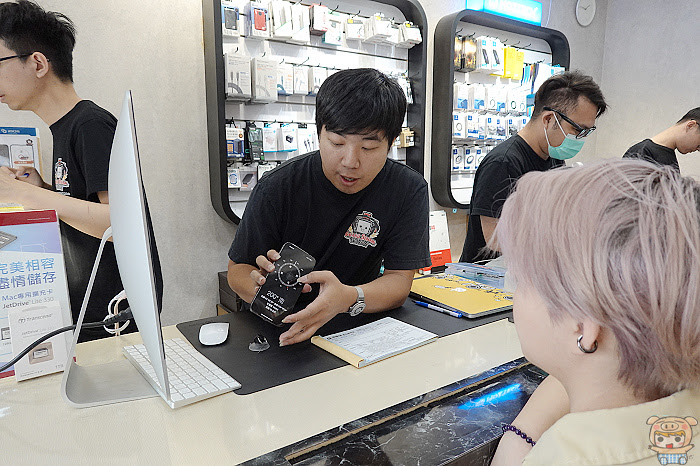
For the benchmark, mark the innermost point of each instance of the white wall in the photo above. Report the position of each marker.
(650, 73)
(155, 49)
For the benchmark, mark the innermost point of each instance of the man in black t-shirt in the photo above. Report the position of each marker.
(347, 205)
(566, 107)
(36, 74)
(684, 136)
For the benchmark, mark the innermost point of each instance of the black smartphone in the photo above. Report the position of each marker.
(275, 299)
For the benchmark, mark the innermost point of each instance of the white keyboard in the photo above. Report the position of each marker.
(191, 376)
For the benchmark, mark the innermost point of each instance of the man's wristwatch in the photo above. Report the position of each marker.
(359, 305)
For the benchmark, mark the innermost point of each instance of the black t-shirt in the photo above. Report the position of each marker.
(82, 141)
(653, 152)
(348, 234)
(494, 181)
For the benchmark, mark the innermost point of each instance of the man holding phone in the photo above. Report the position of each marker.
(347, 205)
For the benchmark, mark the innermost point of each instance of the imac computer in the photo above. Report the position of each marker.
(144, 373)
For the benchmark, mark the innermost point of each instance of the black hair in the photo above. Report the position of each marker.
(361, 101)
(26, 28)
(694, 114)
(562, 91)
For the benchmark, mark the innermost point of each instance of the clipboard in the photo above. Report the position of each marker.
(469, 298)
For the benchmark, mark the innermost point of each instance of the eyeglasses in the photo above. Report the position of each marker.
(582, 132)
(15, 56)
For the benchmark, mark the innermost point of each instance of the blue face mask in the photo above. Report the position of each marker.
(568, 148)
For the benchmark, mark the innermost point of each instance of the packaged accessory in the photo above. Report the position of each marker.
(238, 77)
(301, 80)
(285, 79)
(256, 15)
(320, 21)
(230, 19)
(354, 29)
(300, 25)
(264, 79)
(281, 19)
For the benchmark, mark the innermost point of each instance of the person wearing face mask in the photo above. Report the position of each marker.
(565, 112)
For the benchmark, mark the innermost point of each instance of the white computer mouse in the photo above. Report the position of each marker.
(214, 333)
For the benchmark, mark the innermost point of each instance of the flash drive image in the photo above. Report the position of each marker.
(42, 353)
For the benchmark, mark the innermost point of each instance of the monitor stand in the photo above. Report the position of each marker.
(113, 382)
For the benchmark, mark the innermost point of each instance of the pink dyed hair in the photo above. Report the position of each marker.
(618, 242)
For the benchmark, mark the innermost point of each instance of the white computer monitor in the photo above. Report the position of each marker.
(139, 269)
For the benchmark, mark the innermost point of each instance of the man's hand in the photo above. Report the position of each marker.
(8, 185)
(267, 265)
(30, 175)
(333, 298)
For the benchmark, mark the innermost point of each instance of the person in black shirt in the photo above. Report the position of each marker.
(566, 107)
(36, 74)
(347, 205)
(684, 136)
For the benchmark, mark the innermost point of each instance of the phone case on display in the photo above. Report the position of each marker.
(276, 298)
(260, 19)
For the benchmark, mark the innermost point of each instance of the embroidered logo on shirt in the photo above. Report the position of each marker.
(60, 173)
(670, 438)
(363, 231)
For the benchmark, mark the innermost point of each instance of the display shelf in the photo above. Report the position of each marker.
(540, 44)
(229, 203)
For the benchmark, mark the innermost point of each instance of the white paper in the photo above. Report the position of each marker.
(381, 339)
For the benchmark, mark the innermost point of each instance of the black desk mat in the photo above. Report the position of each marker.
(279, 365)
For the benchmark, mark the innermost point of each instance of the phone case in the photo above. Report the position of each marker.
(276, 298)
(260, 20)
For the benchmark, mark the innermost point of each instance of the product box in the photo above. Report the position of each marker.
(501, 98)
(249, 177)
(377, 28)
(457, 157)
(319, 19)
(483, 54)
(512, 126)
(230, 19)
(19, 147)
(264, 168)
(472, 122)
(235, 147)
(301, 80)
(269, 133)
(500, 128)
(409, 35)
(477, 97)
(264, 80)
(285, 79)
(354, 29)
(461, 93)
(306, 139)
(256, 19)
(497, 57)
(316, 77)
(233, 177)
(459, 125)
(469, 153)
(300, 25)
(439, 239)
(33, 285)
(478, 156)
(468, 54)
(334, 34)
(281, 19)
(238, 77)
(287, 138)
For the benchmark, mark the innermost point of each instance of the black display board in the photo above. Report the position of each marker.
(279, 365)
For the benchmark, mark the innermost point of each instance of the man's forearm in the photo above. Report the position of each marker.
(388, 291)
(239, 280)
(91, 218)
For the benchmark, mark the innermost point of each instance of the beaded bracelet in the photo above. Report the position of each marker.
(518, 432)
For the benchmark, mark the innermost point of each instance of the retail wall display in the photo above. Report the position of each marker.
(276, 55)
(495, 66)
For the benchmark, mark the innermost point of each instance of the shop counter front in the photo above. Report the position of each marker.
(38, 427)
